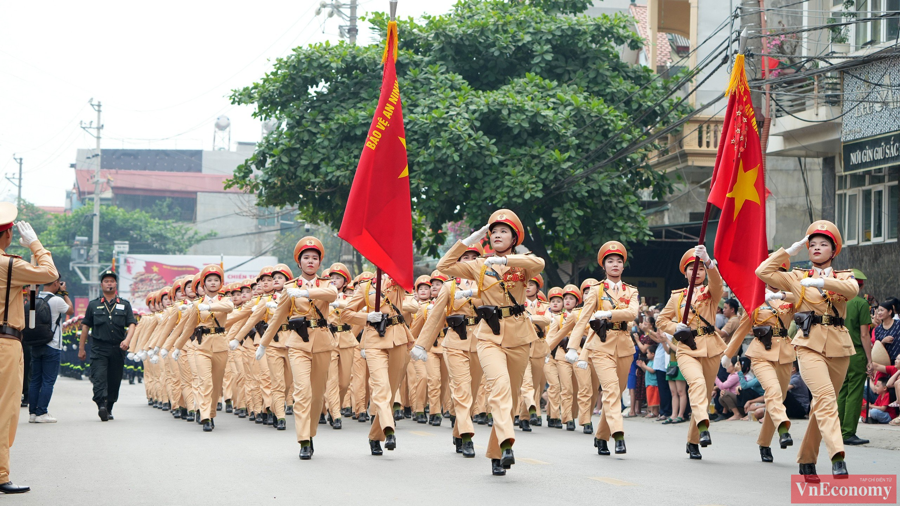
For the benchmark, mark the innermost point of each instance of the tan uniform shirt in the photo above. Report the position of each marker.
(321, 294)
(363, 301)
(216, 316)
(345, 339)
(623, 303)
(539, 312)
(519, 269)
(446, 305)
(705, 301)
(778, 314)
(840, 286)
(24, 273)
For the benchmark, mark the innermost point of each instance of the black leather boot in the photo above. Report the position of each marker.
(218, 406)
(496, 468)
(602, 447)
(207, 425)
(436, 420)
(322, 420)
(280, 424)
(390, 442)
(705, 439)
(363, 417)
(785, 440)
(765, 453)
(570, 425)
(468, 449)
(336, 424)
(507, 458)
(289, 409)
(694, 451)
(305, 453)
(457, 443)
(525, 425)
(839, 470)
(620, 446)
(588, 428)
(535, 420)
(375, 447)
(229, 407)
(809, 473)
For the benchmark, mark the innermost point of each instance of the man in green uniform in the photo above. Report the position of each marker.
(850, 399)
(111, 323)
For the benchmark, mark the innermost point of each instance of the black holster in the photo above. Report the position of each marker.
(491, 315)
(381, 326)
(764, 334)
(261, 327)
(457, 322)
(805, 321)
(198, 335)
(300, 326)
(686, 337)
(600, 326)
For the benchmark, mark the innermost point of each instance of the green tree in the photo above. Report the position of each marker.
(502, 101)
(144, 233)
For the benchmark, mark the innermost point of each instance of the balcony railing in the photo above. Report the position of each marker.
(794, 97)
(695, 145)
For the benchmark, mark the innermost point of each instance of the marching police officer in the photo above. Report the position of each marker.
(15, 273)
(111, 322)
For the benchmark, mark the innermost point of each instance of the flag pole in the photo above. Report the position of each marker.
(702, 238)
(378, 273)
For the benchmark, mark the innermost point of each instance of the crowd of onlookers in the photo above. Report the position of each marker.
(658, 390)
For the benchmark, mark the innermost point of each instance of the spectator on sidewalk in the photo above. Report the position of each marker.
(850, 397)
(45, 358)
(728, 391)
(880, 411)
(796, 403)
(733, 320)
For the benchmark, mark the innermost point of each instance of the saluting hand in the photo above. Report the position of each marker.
(797, 246)
(476, 236)
(26, 234)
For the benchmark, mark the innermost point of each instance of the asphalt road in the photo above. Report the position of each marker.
(146, 457)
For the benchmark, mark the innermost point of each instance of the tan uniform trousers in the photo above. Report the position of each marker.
(228, 380)
(481, 400)
(187, 390)
(191, 354)
(359, 383)
(774, 378)
(417, 378)
(150, 380)
(613, 375)
(526, 394)
(254, 393)
(385, 372)
(551, 373)
(437, 379)
(211, 370)
(567, 385)
(824, 377)
(339, 371)
(173, 383)
(278, 363)
(265, 381)
(532, 387)
(12, 370)
(465, 379)
(240, 388)
(504, 369)
(700, 375)
(310, 377)
(588, 390)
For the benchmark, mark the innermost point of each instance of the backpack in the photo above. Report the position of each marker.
(44, 329)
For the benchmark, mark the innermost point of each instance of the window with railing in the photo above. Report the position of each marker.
(876, 31)
(866, 206)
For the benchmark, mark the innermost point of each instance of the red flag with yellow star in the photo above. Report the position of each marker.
(738, 189)
(378, 217)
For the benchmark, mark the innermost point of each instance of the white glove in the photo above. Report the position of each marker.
(418, 353)
(203, 307)
(702, 254)
(163, 353)
(183, 307)
(141, 355)
(362, 353)
(154, 359)
(725, 360)
(175, 354)
(374, 317)
(271, 304)
(463, 294)
(797, 246)
(429, 307)
(335, 304)
(581, 364)
(602, 315)
(155, 351)
(813, 282)
(233, 344)
(681, 326)
(571, 356)
(130, 356)
(26, 234)
(774, 295)
(476, 236)
(495, 260)
(547, 359)
(260, 352)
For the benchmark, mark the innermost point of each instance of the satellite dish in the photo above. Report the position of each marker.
(222, 123)
(270, 125)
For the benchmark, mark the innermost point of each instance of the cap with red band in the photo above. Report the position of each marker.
(8, 214)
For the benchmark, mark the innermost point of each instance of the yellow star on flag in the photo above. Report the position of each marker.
(744, 188)
(405, 172)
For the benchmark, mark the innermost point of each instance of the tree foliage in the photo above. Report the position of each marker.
(502, 100)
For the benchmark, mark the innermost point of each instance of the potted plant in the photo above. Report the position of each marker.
(840, 42)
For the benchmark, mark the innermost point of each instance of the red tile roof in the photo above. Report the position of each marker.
(156, 183)
(663, 48)
(53, 209)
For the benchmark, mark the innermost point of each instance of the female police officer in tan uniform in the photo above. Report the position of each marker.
(823, 344)
(700, 363)
(614, 305)
(505, 332)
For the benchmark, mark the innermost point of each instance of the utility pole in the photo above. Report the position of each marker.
(95, 237)
(348, 31)
(19, 186)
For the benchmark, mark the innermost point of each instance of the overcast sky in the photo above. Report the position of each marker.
(162, 70)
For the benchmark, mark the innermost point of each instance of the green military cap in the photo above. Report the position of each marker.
(107, 273)
(858, 274)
